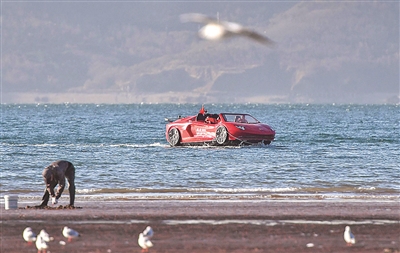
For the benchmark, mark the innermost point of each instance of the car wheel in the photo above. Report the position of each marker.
(221, 135)
(174, 137)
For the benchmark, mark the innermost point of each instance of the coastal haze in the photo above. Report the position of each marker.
(132, 52)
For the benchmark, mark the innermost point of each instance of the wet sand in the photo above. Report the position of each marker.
(210, 226)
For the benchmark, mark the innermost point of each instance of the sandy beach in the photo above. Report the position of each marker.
(210, 226)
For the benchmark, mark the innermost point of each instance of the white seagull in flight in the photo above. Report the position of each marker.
(217, 30)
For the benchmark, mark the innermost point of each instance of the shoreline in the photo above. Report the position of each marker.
(211, 226)
(194, 196)
(211, 207)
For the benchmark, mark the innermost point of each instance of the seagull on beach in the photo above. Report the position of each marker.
(29, 235)
(70, 233)
(144, 242)
(349, 237)
(45, 236)
(215, 29)
(41, 241)
(41, 244)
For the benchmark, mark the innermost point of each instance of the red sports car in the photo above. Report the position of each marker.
(222, 129)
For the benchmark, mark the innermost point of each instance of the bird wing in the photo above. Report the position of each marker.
(148, 232)
(148, 242)
(257, 37)
(144, 242)
(31, 236)
(232, 27)
(69, 232)
(197, 17)
(73, 233)
(352, 238)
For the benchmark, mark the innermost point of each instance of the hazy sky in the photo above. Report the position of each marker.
(113, 52)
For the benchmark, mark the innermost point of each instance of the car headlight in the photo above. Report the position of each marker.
(240, 127)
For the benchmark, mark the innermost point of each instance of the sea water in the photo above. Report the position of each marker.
(120, 152)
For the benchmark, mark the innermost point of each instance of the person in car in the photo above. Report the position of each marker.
(239, 119)
(202, 114)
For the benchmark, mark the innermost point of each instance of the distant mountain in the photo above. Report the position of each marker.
(327, 52)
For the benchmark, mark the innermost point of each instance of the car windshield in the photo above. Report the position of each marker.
(240, 118)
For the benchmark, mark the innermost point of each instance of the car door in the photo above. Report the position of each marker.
(203, 131)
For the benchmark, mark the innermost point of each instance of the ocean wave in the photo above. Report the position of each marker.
(188, 190)
(221, 197)
(298, 190)
(236, 194)
(332, 192)
(241, 197)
